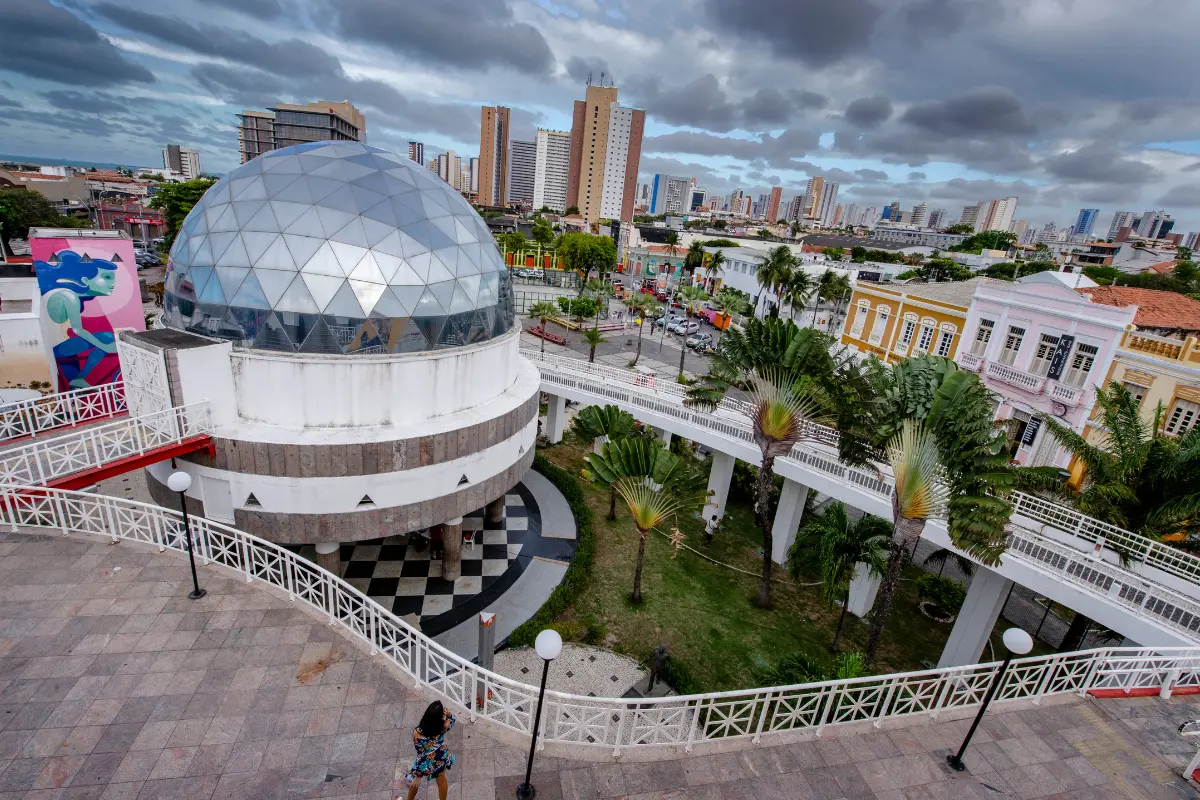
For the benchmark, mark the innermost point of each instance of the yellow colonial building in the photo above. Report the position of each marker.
(1160, 361)
(894, 321)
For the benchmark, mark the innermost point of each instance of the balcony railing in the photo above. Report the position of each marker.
(970, 361)
(1015, 377)
(1162, 346)
(1067, 395)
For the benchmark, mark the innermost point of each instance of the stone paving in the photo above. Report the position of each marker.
(114, 685)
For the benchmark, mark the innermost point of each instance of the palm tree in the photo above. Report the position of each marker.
(838, 290)
(604, 424)
(691, 297)
(837, 544)
(694, 259)
(729, 302)
(942, 556)
(643, 305)
(716, 265)
(593, 337)
(655, 484)
(1135, 476)
(672, 242)
(774, 270)
(596, 289)
(934, 424)
(792, 377)
(541, 311)
(796, 291)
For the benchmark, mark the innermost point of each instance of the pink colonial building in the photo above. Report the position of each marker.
(1042, 347)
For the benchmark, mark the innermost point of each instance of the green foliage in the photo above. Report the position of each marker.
(985, 240)
(580, 307)
(1104, 276)
(176, 200)
(834, 544)
(543, 309)
(800, 667)
(593, 422)
(860, 254)
(1011, 270)
(763, 233)
(718, 243)
(694, 259)
(572, 210)
(720, 224)
(1184, 282)
(583, 253)
(594, 338)
(833, 253)
(511, 242)
(22, 209)
(679, 677)
(945, 593)
(576, 575)
(959, 227)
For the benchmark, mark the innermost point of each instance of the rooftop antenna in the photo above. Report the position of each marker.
(589, 80)
(601, 79)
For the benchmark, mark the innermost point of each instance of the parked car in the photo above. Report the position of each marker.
(688, 328)
(697, 339)
(668, 320)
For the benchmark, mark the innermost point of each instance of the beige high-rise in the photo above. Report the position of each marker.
(606, 148)
(493, 156)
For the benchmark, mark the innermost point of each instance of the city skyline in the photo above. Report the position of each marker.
(1016, 121)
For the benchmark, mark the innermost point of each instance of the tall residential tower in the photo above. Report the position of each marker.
(493, 156)
(606, 148)
(286, 125)
(553, 160)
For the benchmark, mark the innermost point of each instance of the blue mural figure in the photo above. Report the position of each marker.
(84, 357)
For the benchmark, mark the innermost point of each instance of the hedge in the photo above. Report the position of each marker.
(572, 583)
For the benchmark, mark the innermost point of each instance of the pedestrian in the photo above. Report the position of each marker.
(434, 759)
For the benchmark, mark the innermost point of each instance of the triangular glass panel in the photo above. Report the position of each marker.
(264, 220)
(460, 302)
(420, 265)
(287, 213)
(352, 233)
(220, 241)
(470, 286)
(405, 275)
(366, 501)
(256, 243)
(342, 200)
(367, 270)
(356, 171)
(444, 292)
(465, 234)
(288, 166)
(323, 262)
(319, 188)
(428, 305)
(388, 265)
(446, 226)
(408, 338)
(433, 208)
(367, 294)
(193, 246)
(211, 293)
(273, 336)
(369, 337)
(406, 213)
(273, 283)
(297, 298)
(449, 257)
(382, 212)
(255, 191)
(409, 297)
(302, 247)
(375, 231)
(438, 272)
(217, 194)
(465, 265)
(243, 212)
(432, 328)
(277, 256)
(333, 220)
(252, 501)
(231, 278)
(323, 288)
(321, 340)
(250, 295)
(307, 224)
(234, 255)
(365, 198)
(278, 182)
(295, 192)
(331, 169)
(438, 239)
(348, 255)
(344, 304)
(388, 305)
(411, 246)
(390, 244)
(225, 222)
(200, 276)
(374, 180)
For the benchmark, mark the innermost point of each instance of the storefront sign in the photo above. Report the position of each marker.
(1031, 431)
(1059, 362)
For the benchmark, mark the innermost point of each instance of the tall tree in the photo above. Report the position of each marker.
(594, 338)
(672, 242)
(775, 269)
(837, 545)
(22, 209)
(643, 306)
(730, 302)
(934, 424)
(690, 297)
(837, 290)
(176, 200)
(655, 484)
(714, 267)
(604, 424)
(694, 258)
(582, 253)
(796, 290)
(541, 311)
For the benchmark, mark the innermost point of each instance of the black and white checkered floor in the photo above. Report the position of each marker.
(399, 573)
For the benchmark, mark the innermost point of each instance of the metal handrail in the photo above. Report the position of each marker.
(41, 414)
(576, 722)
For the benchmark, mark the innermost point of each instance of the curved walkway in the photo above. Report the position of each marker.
(113, 684)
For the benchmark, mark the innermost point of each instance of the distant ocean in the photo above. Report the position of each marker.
(62, 162)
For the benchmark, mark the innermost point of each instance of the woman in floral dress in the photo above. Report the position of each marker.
(433, 757)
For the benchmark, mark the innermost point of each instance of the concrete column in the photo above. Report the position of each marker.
(863, 587)
(976, 618)
(329, 557)
(665, 436)
(556, 418)
(452, 549)
(787, 519)
(719, 479)
(494, 511)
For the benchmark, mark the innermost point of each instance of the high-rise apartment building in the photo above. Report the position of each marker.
(1019, 227)
(698, 199)
(812, 198)
(1121, 219)
(669, 194)
(493, 156)
(474, 172)
(828, 204)
(606, 148)
(522, 167)
(286, 125)
(1086, 221)
(1192, 240)
(1150, 224)
(449, 168)
(793, 208)
(919, 214)
(971, 215)
(416, 152)
(552, 161)
(180, 163)
(936, 219)
(773, 203)
(996, 215)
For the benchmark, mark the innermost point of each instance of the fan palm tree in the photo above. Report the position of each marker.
(1135, 476)
(792, 377)
(672, 242)
(694, 258)
(643, 305)
(837, 545)
(597, 290)
(774, 270)
(541, 311)
(655, 484)
(604, 424)
(690, 297)
(934, 423)
(838, 289)
(594, 338)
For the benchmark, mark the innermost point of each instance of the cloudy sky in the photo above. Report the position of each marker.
(1064, 103)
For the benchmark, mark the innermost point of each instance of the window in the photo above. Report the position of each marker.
(924, 339)
(982, 336)
(910, 327)
(1012, 345)
(1044, 355)
(1182, 417)
(860, 321)
(1081, 364)
(1138, 392)
(877, 328)
(945, 343)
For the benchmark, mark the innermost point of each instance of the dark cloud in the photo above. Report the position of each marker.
(1186, 195)
(46, 42)
(779, 151)
(1099, 163)
(703, 103)
(767, 108)
(6, 103)
(871, 175)
(935, 19)
(1192, 167)
(462, 34)
(815, 32)
(868, 112)
(987, 111)
(97, 102)
(916, 176)
(581, 70)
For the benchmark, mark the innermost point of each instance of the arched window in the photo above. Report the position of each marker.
(860, 318)
(945, 345)
(882, 312)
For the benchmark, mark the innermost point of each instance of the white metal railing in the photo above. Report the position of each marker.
(48, 459)
(1014, 377)
(601, 722)
(31, 417)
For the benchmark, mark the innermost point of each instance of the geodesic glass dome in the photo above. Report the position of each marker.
(337, 247)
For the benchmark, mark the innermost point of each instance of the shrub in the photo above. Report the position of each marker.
(678, 676)
(573, 581)
(945, 593)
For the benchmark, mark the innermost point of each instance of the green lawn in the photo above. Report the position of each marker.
(703, 612)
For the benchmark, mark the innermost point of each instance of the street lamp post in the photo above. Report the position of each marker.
(1017, 642)
(180, 482)
(548, 645)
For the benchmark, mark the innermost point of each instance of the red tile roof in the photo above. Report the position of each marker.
(1155, 309)
(1162, 267)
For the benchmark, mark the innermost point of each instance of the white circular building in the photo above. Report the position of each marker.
(349, 321)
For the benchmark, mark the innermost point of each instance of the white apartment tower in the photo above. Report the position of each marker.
(919, 214)
(180, 163)
(620, 126)
(522, 164)
(552, 163)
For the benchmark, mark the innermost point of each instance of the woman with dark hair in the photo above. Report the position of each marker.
(433, 757)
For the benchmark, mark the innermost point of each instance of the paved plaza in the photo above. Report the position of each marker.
(113, 684)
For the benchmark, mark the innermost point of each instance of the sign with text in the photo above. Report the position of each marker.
(1031, 431)
(1058, 362)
